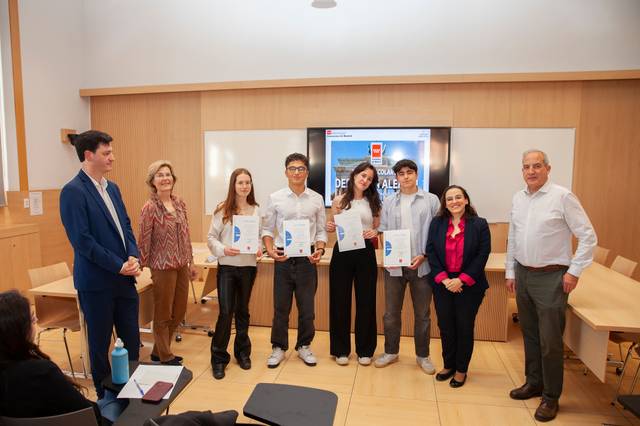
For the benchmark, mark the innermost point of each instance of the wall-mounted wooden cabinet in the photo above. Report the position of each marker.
(19, 251)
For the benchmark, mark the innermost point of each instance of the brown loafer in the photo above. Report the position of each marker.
(547, 410)
(525, 391)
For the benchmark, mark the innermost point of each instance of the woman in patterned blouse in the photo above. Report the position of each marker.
(165, 247)
(236, 274)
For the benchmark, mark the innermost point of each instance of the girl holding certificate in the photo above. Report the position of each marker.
(236, 269)
(458, 247)
(355, 266)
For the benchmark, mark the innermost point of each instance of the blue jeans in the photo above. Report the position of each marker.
(110, 406)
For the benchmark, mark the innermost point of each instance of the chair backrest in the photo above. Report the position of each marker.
(47, 274)
(53, 312)
(499, 234)
(624, 266)
(600, 255)
(84, 417)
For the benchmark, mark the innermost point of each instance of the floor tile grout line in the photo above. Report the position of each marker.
(353, 386)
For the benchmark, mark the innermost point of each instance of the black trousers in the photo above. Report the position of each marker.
(349, 269)
(298, 276)
(234, 291)
(456, 319)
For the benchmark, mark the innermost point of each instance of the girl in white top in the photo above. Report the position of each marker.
(236, 274)
(355, 267)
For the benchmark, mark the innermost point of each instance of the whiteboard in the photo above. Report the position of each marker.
(488, 163)
(262, 152)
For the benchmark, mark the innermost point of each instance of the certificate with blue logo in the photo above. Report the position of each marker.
(246, 237)
(349, 231)
(397, 248)
(297, 241)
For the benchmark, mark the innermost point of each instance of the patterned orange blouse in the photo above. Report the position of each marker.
(164, 241)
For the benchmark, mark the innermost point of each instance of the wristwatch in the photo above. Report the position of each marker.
(323, 251)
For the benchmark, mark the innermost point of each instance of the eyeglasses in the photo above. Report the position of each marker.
(300, 169)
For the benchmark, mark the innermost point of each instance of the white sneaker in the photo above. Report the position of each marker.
(342, 360)
(426, 364)
(364, 360)
(276, 357)
(385, 359)
(305, 354)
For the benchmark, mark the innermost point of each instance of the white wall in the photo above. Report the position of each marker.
(10, 146)
(53, 56)
(169, 41)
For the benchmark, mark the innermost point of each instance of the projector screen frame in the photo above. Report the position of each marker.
(440, 155)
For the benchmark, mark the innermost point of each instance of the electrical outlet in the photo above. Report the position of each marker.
(25, 203)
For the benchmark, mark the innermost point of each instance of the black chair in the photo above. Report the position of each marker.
(84, 417)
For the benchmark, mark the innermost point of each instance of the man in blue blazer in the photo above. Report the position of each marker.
(105, 253)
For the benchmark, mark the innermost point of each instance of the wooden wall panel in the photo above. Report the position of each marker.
(480, 105)
(148, 128)
(549, 105)
(607, 178)
(323, 106)
(54, 245)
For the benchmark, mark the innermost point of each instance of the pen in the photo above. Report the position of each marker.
(138, 386)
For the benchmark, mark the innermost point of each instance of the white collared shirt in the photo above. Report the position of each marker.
(284, 204)
(102, 190)
(221, 236)
(540, 230)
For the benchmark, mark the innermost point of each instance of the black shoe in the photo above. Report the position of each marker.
(244, 362)
(174, 361)
(441, 377)
(547, 410)
(525, 391)
(218, 371)
(456, 384)
(156, 358)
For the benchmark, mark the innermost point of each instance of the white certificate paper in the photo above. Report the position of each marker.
(397, 248)
(246, 236)
(296, 238)
(349, 231)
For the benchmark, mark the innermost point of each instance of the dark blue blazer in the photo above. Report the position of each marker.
(97, 246)
(477, 246)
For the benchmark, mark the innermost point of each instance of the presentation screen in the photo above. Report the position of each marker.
(334, 153)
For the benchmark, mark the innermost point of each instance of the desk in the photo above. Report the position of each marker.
(285, 405)
(137, 411)
(63, 290)
(491, 322)
(604, 301)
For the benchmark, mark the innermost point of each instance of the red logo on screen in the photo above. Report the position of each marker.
(329, 132)
(376, 153)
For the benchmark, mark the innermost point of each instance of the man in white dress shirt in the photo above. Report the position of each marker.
(542, 271)
(294, 275)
